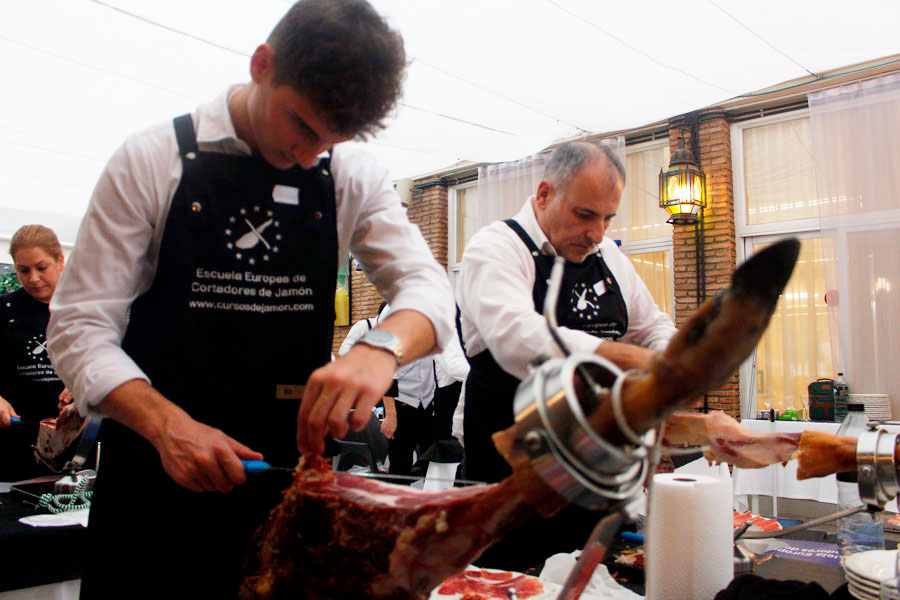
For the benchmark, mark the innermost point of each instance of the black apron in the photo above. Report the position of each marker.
(27, 381)
(239, 314)
(589, 300)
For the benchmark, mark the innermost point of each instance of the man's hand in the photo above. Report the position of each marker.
(202, 458)
(356, 380)
(389, 425)
(196, 456)
(7, 412)
(65, 399)
(626, 356)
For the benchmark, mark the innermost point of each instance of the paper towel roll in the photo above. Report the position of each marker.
(689, 537)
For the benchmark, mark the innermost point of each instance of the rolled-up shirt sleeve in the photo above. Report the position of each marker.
(113, 261)
(391, 250)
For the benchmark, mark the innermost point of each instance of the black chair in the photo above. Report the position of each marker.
(367, 448)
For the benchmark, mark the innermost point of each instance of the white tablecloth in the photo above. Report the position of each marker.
(760, 481)
(66, 590)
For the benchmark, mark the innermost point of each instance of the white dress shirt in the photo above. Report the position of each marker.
(415, 382)
(359, 329)
(116, 252)
(451, 364)
(497, 309)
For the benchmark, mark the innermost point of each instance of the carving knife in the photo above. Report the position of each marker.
(261, 466)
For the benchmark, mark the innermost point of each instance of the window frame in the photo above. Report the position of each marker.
(748, 235)
(453, 265)
(658, 244)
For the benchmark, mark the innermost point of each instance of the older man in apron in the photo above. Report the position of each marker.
(603, 308)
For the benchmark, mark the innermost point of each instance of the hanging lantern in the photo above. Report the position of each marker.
(682, 189)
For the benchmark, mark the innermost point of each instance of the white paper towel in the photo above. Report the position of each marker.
(689, 537)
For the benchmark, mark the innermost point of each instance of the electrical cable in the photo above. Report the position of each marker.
(102, 70)
(764, 40)
(637, 50)
(242, 53)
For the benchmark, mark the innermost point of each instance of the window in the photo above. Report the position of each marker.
(462, 225)
(775, 196)
(641, 224)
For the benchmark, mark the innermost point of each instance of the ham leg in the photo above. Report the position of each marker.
(338, 536)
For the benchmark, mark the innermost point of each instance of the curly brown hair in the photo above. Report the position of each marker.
(344, 57)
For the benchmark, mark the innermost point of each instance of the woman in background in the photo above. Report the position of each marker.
(29, 387)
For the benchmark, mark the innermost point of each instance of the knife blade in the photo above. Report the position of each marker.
(261, 466)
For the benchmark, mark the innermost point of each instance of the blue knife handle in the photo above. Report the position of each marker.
(256, 466)
(635, 538)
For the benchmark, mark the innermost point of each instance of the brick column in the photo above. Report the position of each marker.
(718, 247)
(428, 210)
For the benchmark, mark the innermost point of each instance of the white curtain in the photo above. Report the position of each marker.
(504, 187)
(856, 145)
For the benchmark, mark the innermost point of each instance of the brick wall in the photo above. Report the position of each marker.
(718, 248)
(428, 210)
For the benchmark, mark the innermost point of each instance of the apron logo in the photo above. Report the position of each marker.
(39, 348)
(247, 235)
(584, 300)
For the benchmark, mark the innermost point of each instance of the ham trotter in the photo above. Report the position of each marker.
(338, 536)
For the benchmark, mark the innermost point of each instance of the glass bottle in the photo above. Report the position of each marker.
(864, 530)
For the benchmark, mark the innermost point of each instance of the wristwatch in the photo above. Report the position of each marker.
(383, 340)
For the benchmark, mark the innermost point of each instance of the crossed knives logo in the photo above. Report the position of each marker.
(253, 235)
(584, 300)
(38, 351)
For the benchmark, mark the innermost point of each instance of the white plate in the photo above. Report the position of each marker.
(863, 583)
(862, 594)
(874, 565)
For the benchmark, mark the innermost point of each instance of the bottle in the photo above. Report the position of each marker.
(841, 397)
(862, 531)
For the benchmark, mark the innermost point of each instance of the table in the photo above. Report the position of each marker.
(38, 562)
(781, 481)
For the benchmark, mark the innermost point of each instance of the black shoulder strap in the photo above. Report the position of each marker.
(541, 266)
(184, 134)
(532, 247)
(369, 323)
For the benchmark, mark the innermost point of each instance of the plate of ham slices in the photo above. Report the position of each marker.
(491, 584)
(757, 522)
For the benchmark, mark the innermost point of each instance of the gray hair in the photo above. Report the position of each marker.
(567, 160)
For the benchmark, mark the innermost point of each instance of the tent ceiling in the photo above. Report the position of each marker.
(490, 80)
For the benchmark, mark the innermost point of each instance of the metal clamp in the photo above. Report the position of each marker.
(876, 468)
(564, 449)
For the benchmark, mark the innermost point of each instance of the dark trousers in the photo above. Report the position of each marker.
(415, 431)
(445, 401)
